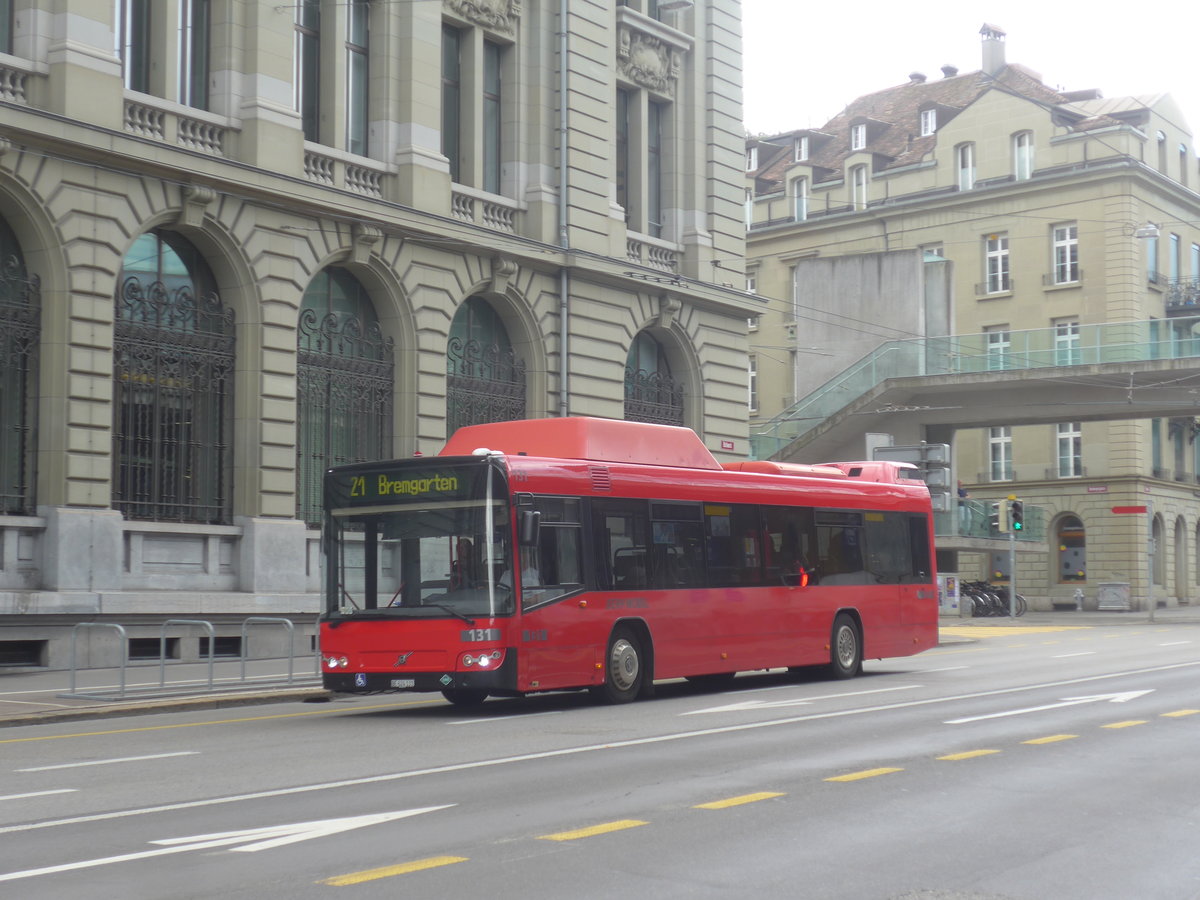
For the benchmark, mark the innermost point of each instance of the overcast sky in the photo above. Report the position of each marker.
(801, 68)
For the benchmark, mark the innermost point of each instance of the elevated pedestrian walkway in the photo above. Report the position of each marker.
(1111, 371)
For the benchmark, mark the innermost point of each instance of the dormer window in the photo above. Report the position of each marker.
(928, 122)
(751, 159)
(800, 149)
(858, 137)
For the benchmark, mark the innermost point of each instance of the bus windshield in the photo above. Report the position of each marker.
(425, 556)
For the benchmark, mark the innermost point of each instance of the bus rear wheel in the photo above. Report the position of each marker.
(624, 672)
(465, 696)
(845, 648)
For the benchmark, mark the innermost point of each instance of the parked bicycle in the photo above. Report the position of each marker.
(989, 599)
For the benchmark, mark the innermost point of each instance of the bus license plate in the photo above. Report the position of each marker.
(404, 682)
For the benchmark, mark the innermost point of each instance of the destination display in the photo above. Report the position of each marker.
(402, 482)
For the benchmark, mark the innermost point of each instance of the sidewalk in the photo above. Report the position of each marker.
(32, 697)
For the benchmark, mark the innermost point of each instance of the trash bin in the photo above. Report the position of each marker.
(1113, 595)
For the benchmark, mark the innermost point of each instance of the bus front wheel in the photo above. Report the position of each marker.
(465, 696)
(845, 648)
(624, 671)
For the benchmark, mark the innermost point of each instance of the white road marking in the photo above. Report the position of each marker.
(254, 839)
(796, 701)
(552, 712)
(1124, 697)
(105, 762)
(38, 794)
(1069, 655)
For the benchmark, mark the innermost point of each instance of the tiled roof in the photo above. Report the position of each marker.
(893, 116)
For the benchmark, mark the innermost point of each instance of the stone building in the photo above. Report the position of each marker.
(244, 241)
(1060, 212)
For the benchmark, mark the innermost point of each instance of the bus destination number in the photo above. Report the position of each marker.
(475, 635)
(358, 486)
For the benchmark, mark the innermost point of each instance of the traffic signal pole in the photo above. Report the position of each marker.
(1012, 574)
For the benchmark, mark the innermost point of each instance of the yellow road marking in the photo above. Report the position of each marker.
(388, 871)
(737, 801)
(1128, 724)
(968, 754)
(593, 830)
(1005, 630)
(1054, 738)
(1182, 712)
(866, 773)
(293, 715)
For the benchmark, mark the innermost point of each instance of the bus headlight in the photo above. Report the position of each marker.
(336, 662)
(484, 660)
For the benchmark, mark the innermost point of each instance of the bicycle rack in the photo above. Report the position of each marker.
(269, 620)
(124, 657)
(161, 690)
(162, 649)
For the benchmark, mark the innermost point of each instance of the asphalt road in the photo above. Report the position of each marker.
(1027, 763)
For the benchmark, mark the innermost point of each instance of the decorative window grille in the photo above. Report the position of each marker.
(345, 385)
(485, 378)
(651, 393)
(20, 310)
(173, 370)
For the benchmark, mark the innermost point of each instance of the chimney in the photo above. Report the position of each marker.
(949, 71)
(916, 77)
(993, 49)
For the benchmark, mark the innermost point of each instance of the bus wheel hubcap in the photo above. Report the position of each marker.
(623, 665)
(846, 647)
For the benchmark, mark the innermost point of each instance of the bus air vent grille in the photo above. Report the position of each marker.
(601, 480)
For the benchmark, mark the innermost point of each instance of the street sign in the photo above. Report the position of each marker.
(1135, 510)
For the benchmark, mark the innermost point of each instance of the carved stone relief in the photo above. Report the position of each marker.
(648, 61)
(498, 15)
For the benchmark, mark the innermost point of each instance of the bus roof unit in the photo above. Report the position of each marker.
(586, 438)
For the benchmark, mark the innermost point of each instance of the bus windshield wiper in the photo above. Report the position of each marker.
(453, 612)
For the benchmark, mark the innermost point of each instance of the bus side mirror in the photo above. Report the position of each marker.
(530, 524)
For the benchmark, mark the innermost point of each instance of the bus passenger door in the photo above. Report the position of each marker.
(555, 649)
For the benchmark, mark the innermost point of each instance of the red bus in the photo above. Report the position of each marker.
(574, 553)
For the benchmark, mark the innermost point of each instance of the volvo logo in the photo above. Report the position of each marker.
(402, 658)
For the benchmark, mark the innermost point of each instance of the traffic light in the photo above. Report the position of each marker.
(1000, 518)
(1016, 514)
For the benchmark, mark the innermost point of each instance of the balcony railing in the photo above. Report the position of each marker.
(1183, 296)
(163, 120)
(489, 210)
(653, 252)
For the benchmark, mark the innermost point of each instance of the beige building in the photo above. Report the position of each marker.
(1058, 211)
(242, 240)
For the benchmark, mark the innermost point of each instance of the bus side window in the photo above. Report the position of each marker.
(621, 534)
(791, 546)
(736, 552)
(558, 562)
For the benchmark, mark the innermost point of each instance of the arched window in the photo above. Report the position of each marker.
(485, 379)
(174, 366)
(651, 393)
(20, 309)
(1072, 557)
(344, 388)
